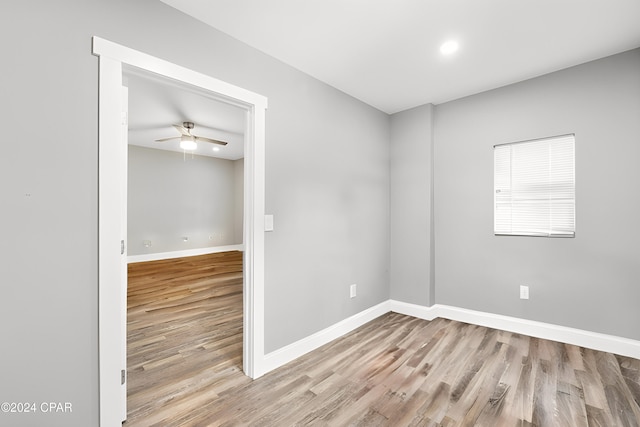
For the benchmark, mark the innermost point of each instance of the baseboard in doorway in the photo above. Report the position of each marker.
(180, 254)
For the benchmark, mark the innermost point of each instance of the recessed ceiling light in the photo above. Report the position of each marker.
(449, 47)
(216, 148)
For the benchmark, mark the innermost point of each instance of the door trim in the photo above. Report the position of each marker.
(112, 59)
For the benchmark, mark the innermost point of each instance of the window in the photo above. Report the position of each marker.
(534, 187)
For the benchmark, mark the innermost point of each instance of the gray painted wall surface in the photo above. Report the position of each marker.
(172, 196)
(588, 282)
(328, 189)
(411, 252)
(331, 211)
(238, 194)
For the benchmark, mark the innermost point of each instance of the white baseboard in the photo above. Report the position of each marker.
(414, 310)
(579, 337)
(180, 254)
(286, 354)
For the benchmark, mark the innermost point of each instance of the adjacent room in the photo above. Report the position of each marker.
(425, 213)
(185, 240)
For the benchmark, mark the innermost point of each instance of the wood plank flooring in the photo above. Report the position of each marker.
(185, 338)
(184, 333)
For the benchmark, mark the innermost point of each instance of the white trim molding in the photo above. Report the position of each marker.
(414, 310)
(593, 340)
(181, 254)
(114, 59)
(286, 354)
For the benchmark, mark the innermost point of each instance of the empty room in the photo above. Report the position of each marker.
(430, 218)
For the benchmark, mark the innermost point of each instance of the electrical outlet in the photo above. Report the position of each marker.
(524, 292)
(352, 291)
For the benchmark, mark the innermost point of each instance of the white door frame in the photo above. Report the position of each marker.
(112, 58)
(124, 285)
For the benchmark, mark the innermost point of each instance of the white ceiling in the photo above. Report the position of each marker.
(386, 52)
(156, 104)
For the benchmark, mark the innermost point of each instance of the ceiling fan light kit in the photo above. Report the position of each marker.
(188, 142)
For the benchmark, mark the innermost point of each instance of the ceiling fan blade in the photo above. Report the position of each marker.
(213, 141)
(167, 139)
(183, 130)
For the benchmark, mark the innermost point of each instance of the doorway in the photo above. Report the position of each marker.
(113, 59)
(185, 240)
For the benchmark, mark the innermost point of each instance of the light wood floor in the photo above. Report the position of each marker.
(185, 338)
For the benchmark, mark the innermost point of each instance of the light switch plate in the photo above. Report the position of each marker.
(268, 223)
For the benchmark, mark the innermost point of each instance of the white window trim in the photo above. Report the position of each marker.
(507, 174)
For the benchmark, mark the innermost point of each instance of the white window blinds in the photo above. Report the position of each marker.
(534, 187)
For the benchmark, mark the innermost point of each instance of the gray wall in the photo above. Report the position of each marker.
(327, 184)
(411, 206)
(328, 189)
(589, 282)
(238, 202)
(172, 196)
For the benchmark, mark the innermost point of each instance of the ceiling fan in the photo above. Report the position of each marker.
(187, 140)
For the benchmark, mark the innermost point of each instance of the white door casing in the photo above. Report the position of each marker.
(112, 150)
(124, 179)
